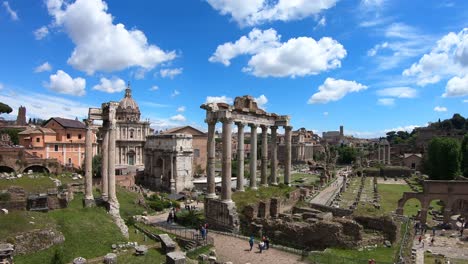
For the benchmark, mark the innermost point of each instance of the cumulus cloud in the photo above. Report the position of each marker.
(101, 45)
(178, 117)
(386, 101)
(170, 73)
(447, 59)
(219, 99)
(113, 85)
(154, 88)
(256, 12)
(261, 101)
(175, 93)
(297, 57)
(399, 92)
(41, 32)
(181, 109)
(43, 67)
(456, 87)
(63, 83)
(440, 109)
(10, 11)
(334, 90)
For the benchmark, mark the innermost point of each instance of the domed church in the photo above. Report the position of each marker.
(131, 133)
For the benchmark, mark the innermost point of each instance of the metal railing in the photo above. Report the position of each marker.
(186, 233)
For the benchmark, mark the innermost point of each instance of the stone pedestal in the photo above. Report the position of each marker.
(89, 202)
(79, 260)
(221, 215)
(177, 257)
(110, 258)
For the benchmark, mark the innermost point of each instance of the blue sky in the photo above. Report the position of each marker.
(370, 65)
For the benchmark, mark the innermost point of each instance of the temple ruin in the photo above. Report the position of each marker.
(221, 213)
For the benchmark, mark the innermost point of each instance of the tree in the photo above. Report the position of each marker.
(464, 156)
(458, 121)
(97, 164)
(13, 133)
(347, 155)
(4, 108)
(443, 161)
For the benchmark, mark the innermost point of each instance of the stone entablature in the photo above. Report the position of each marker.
(168, 162)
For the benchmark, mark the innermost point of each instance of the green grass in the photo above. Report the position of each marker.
(19, 221)
(253, 196)
(431, 259)
(128, 207)
(310, 179)
(335, 255)
(40, 184)
(201, 250)
(89, 233)
(152, 256)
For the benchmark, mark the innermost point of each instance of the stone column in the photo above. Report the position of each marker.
(172, 180)
(378, 152)
(89, 199)
(253, 156)
(210, 169)
(111, 160)
(105, 162)
(240, 157)
(287, 159)
(388, 157)
(226, 164)
(274, 155)
(264, 177)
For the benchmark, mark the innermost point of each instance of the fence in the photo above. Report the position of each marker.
(186, 233)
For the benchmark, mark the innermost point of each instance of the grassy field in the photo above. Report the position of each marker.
(252, 196)
(23, 221)
(351, 256)
(127, 203)
(309, 179)
(40, 184)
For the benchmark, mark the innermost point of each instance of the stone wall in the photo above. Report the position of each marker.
(339, 212)
(17, 199)
(383, 223)
(221, 216)
(389, 172)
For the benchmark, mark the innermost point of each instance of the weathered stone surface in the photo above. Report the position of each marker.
(110, 258)
(338, 212)
(37, 240)
(176, 257)
(384, 224)
(167, 244)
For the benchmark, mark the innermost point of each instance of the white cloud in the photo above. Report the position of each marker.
(456, 87)
(153, 104)
(170, 73)
(372, 52)
(41, 32)
(43, 67)
(261, 101)
(178, 117)
(464, 101)
(154, 88)
(63, 83)
(325, 113)
(101, 45)
(181, 109)
(447, 59)
(381, 133)
(256, 12)
(139, 74)
(11, 12)
(399, 92)
(36, 108)
(372, 3)
(297, 57)
(440, 109)
(175, 93)
(219, 99)
(334, 90)
(321, 23)
(113, 85)
(386, 101)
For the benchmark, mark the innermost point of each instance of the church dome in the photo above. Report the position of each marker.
(128, 109)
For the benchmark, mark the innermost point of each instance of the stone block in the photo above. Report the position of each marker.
(110, 258)
(167, 244)
(176, 257)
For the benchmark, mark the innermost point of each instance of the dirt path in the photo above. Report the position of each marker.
(325, 195)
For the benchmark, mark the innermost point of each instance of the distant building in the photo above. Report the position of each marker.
(302, 146)
(21, 118)
(59, 138)
(412, 160)
(168, 163)
(333, 137)
(199, 141)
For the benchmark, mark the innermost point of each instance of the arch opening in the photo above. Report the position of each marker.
(6, 169)
(37, 168)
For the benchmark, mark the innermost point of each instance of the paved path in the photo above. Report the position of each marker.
(326, 194)
(236, 250)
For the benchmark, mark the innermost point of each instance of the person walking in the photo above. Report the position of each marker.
(433, 230)
(251, 242)
(267, 243)
(420, 239)
(261, 246)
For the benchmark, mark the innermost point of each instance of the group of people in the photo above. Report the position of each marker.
(264, 244)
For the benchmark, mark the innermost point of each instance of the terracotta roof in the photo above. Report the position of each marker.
(67, 123)
(37, 130)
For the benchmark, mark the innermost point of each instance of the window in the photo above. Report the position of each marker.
(68, 136)
(131, 134)
(79, 136)
(56, 147)
(38, 139)
(69, 161)
(196, 153)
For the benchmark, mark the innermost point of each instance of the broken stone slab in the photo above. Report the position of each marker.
(176, 257)
(79, 260)
(387, 243)
(141, 250)
(110, 258)
(168, 245)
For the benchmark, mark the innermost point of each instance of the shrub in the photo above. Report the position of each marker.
(5, 197)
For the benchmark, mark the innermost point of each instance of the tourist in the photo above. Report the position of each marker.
(432, 241)
(420, 239)
(206, 228)
(461, 231)
(251, 242)
(203, 232)
(267, 242)
(261, 246)
(433, 230)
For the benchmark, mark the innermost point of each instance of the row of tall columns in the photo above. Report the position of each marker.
(227, 157)
(89, 161)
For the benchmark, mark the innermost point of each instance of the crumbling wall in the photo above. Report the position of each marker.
(339, 212)
(382, 223)
(37, 240)
(17, 199)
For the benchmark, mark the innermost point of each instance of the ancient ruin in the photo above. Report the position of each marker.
(168, 162)
(107, 113)
(221, 213)
(454, 195)
(383, 152)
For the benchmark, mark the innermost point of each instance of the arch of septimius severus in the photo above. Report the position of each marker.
(221, 213)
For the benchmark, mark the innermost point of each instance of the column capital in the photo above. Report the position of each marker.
(226, 120)
(251, 125)
(273, 127)
(211, 121)
(240, 124)
(88, 122)
(264, 127)
(288, 128)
